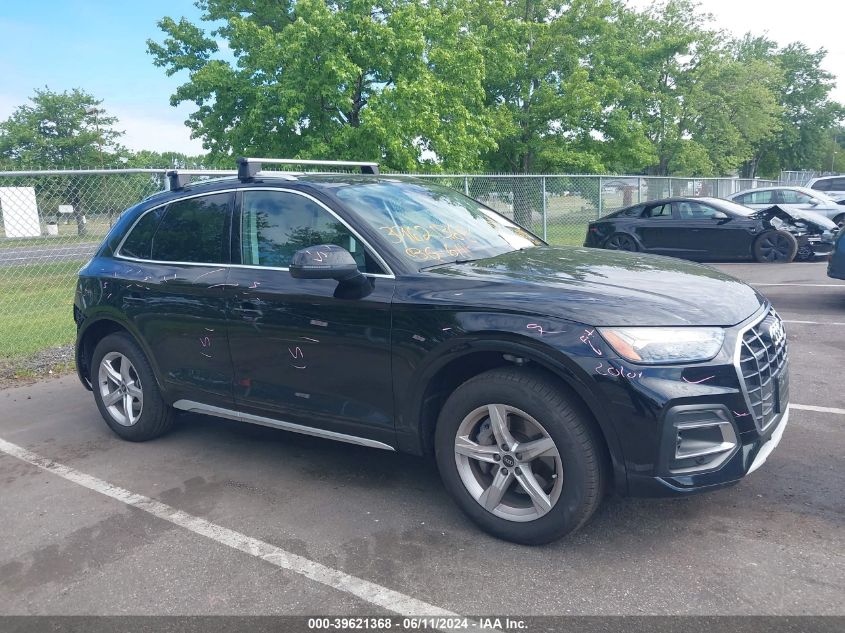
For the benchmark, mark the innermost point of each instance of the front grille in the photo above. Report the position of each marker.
(763, 369)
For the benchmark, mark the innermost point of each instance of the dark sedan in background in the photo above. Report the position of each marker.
(714, 229)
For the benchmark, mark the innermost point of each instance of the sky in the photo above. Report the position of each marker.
(100, 47)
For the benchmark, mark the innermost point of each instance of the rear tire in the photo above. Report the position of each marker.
(621, 242)
(126, 390)
(547, 483)
(778, 247)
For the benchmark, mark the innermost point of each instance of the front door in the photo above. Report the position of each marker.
(301, 355)
(705, 235)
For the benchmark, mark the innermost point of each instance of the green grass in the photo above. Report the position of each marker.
(36, 307)
(96, 230)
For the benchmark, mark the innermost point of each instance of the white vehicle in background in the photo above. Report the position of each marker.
(833, 186)
(800, 199)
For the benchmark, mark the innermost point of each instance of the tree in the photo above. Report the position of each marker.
(808, 115)
(396, 81)
(704, 110)
(60, 130)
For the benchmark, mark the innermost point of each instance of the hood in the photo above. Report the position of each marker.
(600, 287)
(805, 215)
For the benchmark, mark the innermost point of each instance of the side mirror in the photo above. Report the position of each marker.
(814, 203)
(719, 215)
(324, 261)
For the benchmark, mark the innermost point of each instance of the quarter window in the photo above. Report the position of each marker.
(194, 230)
(139, 242)
(276, 224)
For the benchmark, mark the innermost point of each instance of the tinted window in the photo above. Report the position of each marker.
(275, 224)
(830, 184)
(789, 196)
(757, 197)
(662, 211)
(631, 212)
(194, 230)
(139, 242)
(688, 210)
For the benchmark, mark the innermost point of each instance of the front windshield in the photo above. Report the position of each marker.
(428, 224)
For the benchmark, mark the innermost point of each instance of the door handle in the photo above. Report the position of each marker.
(134, 296)
(249, 306)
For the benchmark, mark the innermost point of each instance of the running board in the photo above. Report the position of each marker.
(219, 412)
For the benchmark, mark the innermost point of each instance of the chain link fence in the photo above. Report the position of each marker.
(51, 222)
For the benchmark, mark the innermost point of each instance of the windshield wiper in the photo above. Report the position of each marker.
(457, 261)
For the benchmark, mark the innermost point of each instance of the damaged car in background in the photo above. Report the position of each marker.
(708, 229)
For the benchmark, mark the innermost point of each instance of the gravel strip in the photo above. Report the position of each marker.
(48, 363)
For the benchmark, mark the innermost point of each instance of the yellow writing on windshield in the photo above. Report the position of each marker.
(417, 233)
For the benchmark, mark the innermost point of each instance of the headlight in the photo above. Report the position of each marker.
(652, 345)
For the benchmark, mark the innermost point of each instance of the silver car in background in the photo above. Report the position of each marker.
(801, 199)
(833, 186)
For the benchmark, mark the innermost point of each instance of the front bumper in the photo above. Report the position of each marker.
(697, 427)
(743, 461)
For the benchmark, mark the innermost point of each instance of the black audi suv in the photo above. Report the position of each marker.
(404, 316)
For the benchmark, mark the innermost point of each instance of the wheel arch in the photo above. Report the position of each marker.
(91, 333)
(446, 375)
(630, 234)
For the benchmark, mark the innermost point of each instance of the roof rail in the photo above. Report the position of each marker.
(249, 167)
(178, 178)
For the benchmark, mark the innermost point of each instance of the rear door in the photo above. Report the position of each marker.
(658, 230)
(179, 256)
(301, 355)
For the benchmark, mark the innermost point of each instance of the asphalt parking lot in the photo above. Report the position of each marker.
(292, 514)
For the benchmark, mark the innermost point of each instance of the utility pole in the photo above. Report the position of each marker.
(96, 112)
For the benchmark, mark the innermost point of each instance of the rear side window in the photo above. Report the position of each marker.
(194, 230)
(662, 211)
(757, 197)
(830, 184)
(139, 242)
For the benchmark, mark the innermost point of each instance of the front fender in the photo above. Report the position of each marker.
(423, 349)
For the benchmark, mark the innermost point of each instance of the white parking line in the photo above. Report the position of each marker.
(753, 283)
(358, 587)
(812, 407)
(815, 322)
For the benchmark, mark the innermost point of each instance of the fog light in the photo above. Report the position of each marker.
(704, 438)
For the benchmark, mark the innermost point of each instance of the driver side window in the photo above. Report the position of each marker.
(788, 196)
(276, 224)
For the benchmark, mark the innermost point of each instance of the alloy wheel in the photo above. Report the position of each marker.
(775, 248)
(621, 243)
(508, 462)
(120, 389)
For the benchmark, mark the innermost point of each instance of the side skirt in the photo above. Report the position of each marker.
(219, 412)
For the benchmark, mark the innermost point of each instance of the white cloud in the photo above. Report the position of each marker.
(161, 132)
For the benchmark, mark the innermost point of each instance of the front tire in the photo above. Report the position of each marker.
(775, 247)
(518, 457)
(126, 391)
